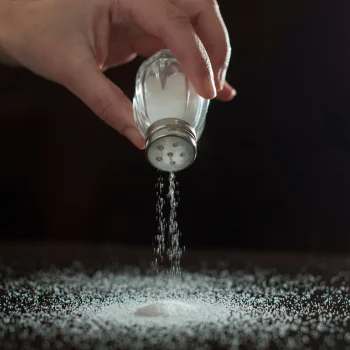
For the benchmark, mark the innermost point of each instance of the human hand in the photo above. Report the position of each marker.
(72, 42)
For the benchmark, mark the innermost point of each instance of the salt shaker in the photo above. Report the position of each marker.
(168, 112)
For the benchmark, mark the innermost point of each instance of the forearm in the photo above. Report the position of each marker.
(5, 31)
(5, 59)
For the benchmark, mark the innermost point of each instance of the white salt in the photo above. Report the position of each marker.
(172, 308)
(174, 250)
(167, 101)
(167, 240)
(84, 308)
(172, 97)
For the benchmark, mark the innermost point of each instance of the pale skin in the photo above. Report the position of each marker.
(72, 42)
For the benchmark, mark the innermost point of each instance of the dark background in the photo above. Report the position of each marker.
(273, 170)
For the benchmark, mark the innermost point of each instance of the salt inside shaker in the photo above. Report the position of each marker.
(168, 112)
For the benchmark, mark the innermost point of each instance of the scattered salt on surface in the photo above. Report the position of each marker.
(76, 307)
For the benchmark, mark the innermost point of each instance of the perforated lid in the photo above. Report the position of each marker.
(171, 145)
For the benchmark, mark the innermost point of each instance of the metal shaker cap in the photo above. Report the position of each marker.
(171, 144)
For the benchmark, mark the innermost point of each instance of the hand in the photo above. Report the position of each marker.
(72, 42)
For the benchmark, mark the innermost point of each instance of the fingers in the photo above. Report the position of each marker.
(125, 45)
(145, 44)
(211, 28)
(168, 22)
(227, 93)
(106, 100)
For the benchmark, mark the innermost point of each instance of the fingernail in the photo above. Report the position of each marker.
(209, 86)
(135, 137)
(222, 77)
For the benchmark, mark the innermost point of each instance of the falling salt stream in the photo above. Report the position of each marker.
(159, 250)
(168, 238)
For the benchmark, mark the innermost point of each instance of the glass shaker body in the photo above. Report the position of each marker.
(168, 112)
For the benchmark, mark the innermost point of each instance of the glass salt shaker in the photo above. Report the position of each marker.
(168, 112)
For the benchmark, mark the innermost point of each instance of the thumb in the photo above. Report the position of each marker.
(107, 101)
